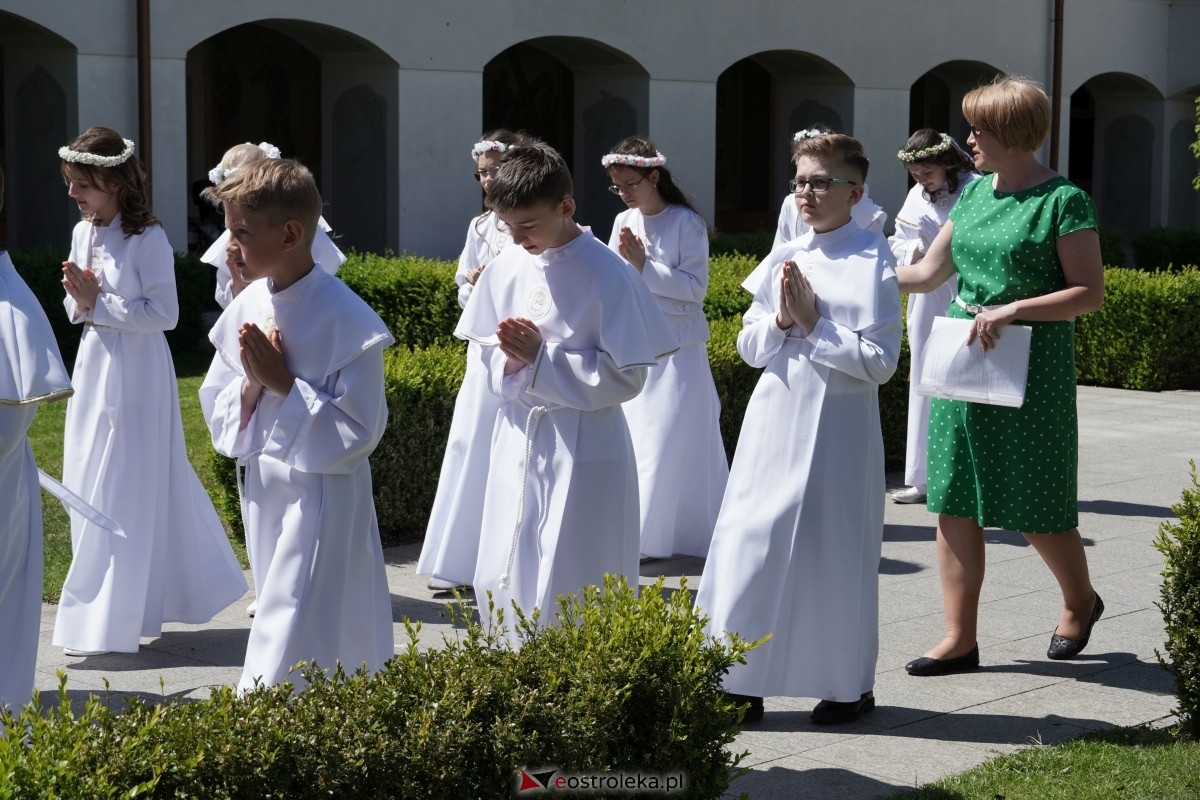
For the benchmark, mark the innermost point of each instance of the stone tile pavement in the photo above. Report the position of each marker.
(1134, 448)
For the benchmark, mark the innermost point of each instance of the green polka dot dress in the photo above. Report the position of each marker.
(1014, 468)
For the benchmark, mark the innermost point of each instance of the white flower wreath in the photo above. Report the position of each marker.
(911, 156)
(807, 133)
(487, 146)
(630, 160)
(94, 160)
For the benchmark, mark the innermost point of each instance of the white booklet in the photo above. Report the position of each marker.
(950, 369)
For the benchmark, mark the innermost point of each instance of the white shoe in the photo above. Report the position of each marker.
(443, 585)
(909, 496)
(71, 651)
(252, 608)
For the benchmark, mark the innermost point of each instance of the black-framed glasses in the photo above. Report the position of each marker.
(818, 185)
(628, 188)
(480, 174)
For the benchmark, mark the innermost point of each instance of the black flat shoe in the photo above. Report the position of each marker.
(1062, 649)
(831, 712)
(754, 711)
(927, 667)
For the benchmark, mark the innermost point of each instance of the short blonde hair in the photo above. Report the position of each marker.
(279, 189)
(240, 155)
(1015, 109)
(835, 147)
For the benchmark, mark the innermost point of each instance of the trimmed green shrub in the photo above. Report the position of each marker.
(1180, 604)
(726, 299)
(623, 684)
(1112, 247)
(1166, 248)
(1144, 336)
(194, 281)
(753, 245)
(417, 298)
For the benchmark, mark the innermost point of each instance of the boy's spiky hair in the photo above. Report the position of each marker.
(531, 173)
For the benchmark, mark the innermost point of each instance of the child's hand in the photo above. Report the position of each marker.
(81, 284)
(236, 281)
(473, 274)
(797, 300)
(632, 249)
(262, 359)
(520, 340)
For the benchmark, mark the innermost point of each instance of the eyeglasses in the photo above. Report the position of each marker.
(480, 174)
(976, 130)
(816, 184)
(627, 188)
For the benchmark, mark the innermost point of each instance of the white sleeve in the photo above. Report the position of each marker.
(870, 354)
(685, 280)
(581, 379)
(158, 307)
(760, 337)
(221, 403)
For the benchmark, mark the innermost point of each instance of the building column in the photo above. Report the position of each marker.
(170, 183)
(881, 124)
(683, 123)
(440, 115)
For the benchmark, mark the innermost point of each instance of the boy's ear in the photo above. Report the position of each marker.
(567, 208)
(856, 193)
(293, 234)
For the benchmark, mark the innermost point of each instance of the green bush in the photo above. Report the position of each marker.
(1112, 247)
(726, 299)
(422, 386)
(1166, 248)
(194, 282)
(1180, 604)
(417, 298)
(1144, 336)
(623, 683)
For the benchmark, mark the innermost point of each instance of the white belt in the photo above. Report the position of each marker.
(972, 308)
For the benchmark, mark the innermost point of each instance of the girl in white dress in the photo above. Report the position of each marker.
(681, 461)
(229, 282)
(452, 536)
(941, 169)
(123, 447)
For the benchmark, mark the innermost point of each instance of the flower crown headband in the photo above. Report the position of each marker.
(94, 160)
(911, 156)
(487, 146)
(630, 160)
(807, 133)
(216, 174)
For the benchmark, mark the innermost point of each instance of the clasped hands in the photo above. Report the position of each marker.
(520, 340)
(81, 284)
(262, 360)
(632, 249)
(797, 300)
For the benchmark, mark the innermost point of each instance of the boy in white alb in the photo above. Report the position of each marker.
(295, 393)
(796, 549)
(568, 333)
(31, 372)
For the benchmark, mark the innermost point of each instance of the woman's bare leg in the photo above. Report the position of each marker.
(961, 566)
(1065, 556)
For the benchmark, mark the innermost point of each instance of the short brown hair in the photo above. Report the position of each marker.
(1014, 109)
(835, 146)
(278, 188)
(531, 173)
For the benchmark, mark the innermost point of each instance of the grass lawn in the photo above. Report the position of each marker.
(46, 437)
(1126, 763)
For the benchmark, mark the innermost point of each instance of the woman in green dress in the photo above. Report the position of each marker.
(1024, 244)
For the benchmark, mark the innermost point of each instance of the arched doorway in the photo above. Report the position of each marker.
(936, 97)
(761, 101)
(581, 96)
(275, 81)
(37, 70)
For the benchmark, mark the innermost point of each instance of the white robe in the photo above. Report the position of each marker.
(797, 545)
(451, 544)
(865, 212)
(31, 372)
(124, 453)
(324, 252)
(561, 505)
(674, 421)
(916, 228)
(310, 518)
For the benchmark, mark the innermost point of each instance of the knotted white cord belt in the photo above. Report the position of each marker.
(531, 426)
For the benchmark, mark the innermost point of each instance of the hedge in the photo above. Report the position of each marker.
(417, 298)
(1166, 248)
(622, 684)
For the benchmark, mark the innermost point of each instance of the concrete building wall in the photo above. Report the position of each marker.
(422, 63)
